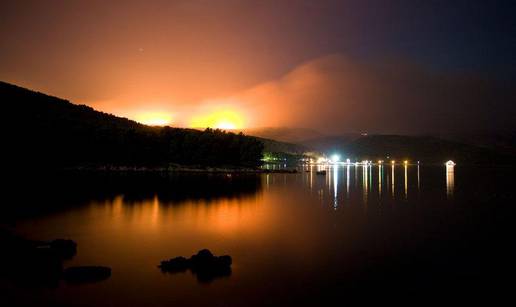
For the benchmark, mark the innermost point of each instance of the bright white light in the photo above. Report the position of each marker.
(348, 161)
(335, 158)
(450, 163)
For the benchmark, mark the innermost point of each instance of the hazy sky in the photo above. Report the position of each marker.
(335, 66)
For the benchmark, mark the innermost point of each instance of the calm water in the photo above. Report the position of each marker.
(295, 239)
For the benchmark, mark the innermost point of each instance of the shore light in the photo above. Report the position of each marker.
(321, 160)
(335, 158)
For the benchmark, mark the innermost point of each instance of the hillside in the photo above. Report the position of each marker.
(276, 146)
(503, 141)
(423, 148)
(46, 131)
(330, 143)
(284, 134)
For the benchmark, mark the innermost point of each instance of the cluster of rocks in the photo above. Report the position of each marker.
(40, 263)
(204, 265)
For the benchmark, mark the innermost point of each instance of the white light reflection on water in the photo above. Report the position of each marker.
(347, 181)
(450, 180)
(335, 185)
(392, 180)
(380, 175)
(366, 181)
(370, 176)
(418, 179)
(406, 180)
(311, 177)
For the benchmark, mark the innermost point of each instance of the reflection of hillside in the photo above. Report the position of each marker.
(44, 193)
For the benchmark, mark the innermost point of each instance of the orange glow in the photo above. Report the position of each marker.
(154, 118)
(221, 119)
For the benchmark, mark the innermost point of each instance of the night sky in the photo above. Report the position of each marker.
(334, 66)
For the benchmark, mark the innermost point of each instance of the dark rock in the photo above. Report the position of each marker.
(204, 265)
(178, 264)
(226, 260)
(204, 260)
(85, 274)
(203, 257)
(29, 262)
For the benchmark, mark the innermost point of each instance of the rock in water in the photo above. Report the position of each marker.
(204, 265)
(178, 264)
(202, 258)
(85, 274)
(226, 260)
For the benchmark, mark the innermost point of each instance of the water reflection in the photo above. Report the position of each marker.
(371, 182)
(347, 181)
(450, 180)
(392, 180)
(66, 189)
(311, 177)
(365, 183)
(335, 185)
(164, 189)
(405, 166)
(418, 180)
(380, 175)
(134, 224)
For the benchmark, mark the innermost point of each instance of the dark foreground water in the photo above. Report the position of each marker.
(405, 234)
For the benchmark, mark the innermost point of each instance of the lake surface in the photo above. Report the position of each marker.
(378, 232)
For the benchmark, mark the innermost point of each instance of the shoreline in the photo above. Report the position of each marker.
(183, 169)
(217, 170)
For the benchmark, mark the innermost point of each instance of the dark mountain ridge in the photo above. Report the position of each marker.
(284, 134)
(427, 149)
(57, 133)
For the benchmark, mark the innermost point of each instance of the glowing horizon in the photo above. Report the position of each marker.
(154, 118)
(220, 119)
(188, 58)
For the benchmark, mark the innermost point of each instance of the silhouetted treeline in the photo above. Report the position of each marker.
(47, 131)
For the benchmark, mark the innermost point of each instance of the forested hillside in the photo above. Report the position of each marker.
(52, 132)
